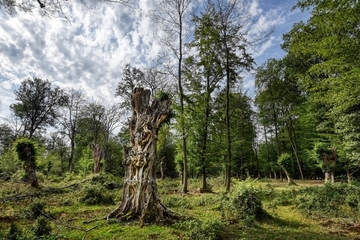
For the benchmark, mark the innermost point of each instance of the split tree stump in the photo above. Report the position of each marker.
(140, 200)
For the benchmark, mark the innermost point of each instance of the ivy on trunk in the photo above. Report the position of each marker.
(26, 152)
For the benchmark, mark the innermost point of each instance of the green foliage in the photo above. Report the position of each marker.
(38, 104)
(9, 164)
(35, 210)
(19, 176)
(284, 198)
(177, 201)
(324, 154)
(209, 200)
(162, 96)
(132, 77)
(108, 181)
(168, 186)
(198, 230)
(7, 136)
(86, 161)
(166, 149)
(42, 228)
(332, 200)
(203, 219)
(95, 194)
(25, 143)
(243, 203)
(286, 162)
(14, 233)
(322, 55)
(321, 148)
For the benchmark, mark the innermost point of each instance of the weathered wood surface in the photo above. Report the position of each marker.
(140, 200)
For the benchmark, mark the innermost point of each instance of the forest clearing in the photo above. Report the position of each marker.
(63, 209)
(177, 147)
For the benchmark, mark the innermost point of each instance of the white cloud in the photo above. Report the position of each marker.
(254, 9)
(88, 50)
(6, 85)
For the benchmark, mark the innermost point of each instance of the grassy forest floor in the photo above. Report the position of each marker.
(75, 209)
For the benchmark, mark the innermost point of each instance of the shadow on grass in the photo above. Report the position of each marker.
(276, 228)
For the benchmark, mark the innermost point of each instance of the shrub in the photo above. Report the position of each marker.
(286, 163)
(14, 233)
(35, 210)
(9, 164)
(284, 198)
(109, 181)
(42, 228)
(243, 203)
(196, 229)
(168, 186)
(177, 201)
(95, 194)
(207, 200)
(330, 200)
(19, 176)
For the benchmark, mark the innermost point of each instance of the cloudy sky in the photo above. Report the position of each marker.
(88, 49)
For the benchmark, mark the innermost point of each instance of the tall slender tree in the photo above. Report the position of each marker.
(92, 127)
(230, 19)
(203, 74)
(173, 17)
(68, 119)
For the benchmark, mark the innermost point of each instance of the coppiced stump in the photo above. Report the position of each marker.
(140, 200)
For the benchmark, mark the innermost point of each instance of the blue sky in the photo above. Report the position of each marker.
(88, 50)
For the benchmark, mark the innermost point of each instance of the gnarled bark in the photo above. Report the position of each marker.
(140, 200)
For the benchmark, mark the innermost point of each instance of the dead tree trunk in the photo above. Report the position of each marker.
(26, 153)
(140, 200)
(97, 153)
(30, 167)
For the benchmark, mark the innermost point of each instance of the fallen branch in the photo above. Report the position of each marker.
(86, 231)
(45, 192)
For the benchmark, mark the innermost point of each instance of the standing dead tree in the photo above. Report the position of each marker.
(26, 152)
(140, 200)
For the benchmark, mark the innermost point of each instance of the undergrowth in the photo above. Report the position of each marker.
(244, 203)
(242, 213)
(199, 230)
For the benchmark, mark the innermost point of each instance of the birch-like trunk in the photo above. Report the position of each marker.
(140, 200)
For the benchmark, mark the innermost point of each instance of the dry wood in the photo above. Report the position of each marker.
(140, 200)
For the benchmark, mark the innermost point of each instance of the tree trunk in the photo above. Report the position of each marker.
(267, 151)
(140, 200)
(29, 165)
(348, 175)
(292, 138)
(327, 175)
(163, 168)
(228, 131)
(204, 149)
(97, 153)
(72, 150)
(332, 175)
